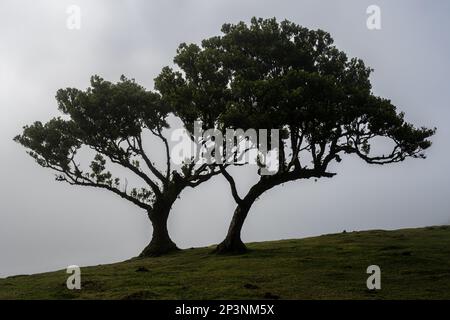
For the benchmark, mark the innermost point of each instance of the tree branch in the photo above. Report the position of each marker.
(152, 168)
(232, 184)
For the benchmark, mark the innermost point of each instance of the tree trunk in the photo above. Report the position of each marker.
(161, 242)
(233, 243)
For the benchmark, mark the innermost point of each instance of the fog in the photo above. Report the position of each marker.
(47, 225)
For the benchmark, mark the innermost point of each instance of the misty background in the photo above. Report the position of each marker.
(47, 225)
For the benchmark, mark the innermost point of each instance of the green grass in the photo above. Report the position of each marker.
(415, 264)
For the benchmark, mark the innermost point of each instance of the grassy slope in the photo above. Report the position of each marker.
(415, 263)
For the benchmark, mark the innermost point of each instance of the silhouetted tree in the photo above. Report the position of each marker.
(112, 120)
(270, 75)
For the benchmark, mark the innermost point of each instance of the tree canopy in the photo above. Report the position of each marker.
(263, 75)
(269, 75)
(112, 120)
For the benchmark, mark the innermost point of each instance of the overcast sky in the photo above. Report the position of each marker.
(46, 225)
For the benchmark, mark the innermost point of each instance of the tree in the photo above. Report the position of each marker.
(283, 76)
(112, 120)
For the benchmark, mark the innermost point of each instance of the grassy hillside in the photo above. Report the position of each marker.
(415, 263)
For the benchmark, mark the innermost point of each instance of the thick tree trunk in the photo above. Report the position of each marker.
(161, 242)
(233, 243)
